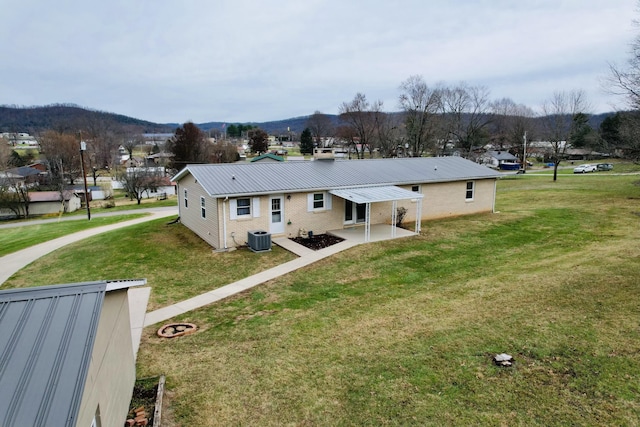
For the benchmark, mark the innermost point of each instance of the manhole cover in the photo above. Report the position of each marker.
(173, 330)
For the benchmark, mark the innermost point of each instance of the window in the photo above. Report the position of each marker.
(470, 188)
(203, 208)
(243, 207)
(318, 200)
(415, 188)
(186, 199)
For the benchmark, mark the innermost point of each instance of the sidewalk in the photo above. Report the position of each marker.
(307, 257)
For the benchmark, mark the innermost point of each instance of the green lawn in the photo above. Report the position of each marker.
(15, 239)
(402, 332)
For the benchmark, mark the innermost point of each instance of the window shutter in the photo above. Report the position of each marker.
(233, 209)
(327, 201)
(310, 202)
(256, 207)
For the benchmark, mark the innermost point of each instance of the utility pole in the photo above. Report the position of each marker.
(83, 147)
(524, 152)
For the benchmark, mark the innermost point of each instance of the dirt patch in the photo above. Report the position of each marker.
(318, 241)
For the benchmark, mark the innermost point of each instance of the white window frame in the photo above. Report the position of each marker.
(203, 207)
(312, 201)
(244, 207)
(472, 190)
(186, 199)
(253, 208)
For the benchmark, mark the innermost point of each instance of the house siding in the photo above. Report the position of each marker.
(441, 181)
(190, 216)
(112, 371)
(449, 199)
(440, 200)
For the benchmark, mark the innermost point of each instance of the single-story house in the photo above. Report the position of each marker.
(165, 188)
(495, 159)
(222, 203)
(51, 202)
(96, 192)
(68, 353)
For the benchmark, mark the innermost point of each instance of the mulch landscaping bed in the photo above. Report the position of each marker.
(318, 241)
(144, 396)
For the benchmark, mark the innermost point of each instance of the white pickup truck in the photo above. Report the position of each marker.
(586, 168)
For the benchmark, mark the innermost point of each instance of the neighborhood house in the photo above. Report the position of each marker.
(223, 203)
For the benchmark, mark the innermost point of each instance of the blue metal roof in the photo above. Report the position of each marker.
(238, 179)
(46, 343)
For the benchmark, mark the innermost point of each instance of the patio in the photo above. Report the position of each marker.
(378, 232)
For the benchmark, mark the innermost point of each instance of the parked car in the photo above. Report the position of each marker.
(586, 168)
(604, 166)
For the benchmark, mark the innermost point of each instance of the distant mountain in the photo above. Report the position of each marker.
(68, 117)
(72, 117)
(294, 124)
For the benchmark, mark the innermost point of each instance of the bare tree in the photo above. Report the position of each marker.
(630, 135)
(558, 122)
(625, 80)
(467, 112)
(5, 153)
(420, 105)
(320, 126)
(131, 141)
(224, 152)
(348, 137)
(388, 133)
(137, 181)
(62, 151)
(359, 115)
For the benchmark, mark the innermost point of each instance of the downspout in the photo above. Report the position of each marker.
(178, 194)
(495, 190)
(224, 220)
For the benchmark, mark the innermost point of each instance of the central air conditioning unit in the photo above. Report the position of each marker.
(259, 241)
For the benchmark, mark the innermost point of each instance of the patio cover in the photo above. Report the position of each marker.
(375, 194)
(390, 193)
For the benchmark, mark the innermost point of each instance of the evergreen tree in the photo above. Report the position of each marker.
(306, 142)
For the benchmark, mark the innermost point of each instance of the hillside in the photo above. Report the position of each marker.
(72, 117)
(67, 117)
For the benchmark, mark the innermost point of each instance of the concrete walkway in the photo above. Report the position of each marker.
(13, 262)
(308, 257)
(354, 237)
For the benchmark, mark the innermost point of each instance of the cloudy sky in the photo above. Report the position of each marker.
(250, 60)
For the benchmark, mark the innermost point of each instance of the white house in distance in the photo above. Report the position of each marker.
(222, 203)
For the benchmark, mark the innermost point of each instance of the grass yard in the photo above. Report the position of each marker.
(176, 263)
(17, 238)
(402, 332)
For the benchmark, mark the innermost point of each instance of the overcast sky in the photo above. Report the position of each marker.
(251, 60)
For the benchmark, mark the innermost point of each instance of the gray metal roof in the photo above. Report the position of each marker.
(375, 194)
(237, 179)
(502, 155)
(45, 350)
